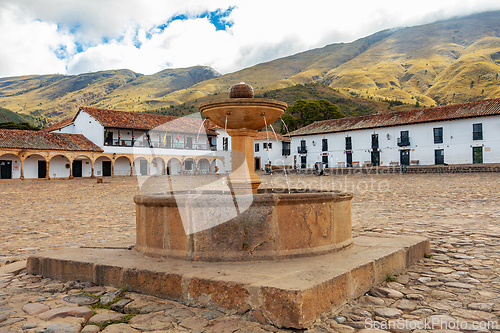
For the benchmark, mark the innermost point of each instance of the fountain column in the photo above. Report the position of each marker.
(242, 116)
(243, 177)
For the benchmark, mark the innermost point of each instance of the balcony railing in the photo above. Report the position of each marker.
(121, 143)
(403, 142)
(153, 144)
(302, 150)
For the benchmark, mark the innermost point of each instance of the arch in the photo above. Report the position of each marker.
(174, 166)
(10, 166)
(116, 157)
(35, 166)
(203, 166)
(103, 167)
(140, 167)
(188, 166)
(59, 167)
(82, 166)
(81, 157)
(122, 166)
(157, 166)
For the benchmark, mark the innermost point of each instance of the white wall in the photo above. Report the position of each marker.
(85, 124)
(203, 166)
(68, 129)
(16, 164)
(86, 167)
(57, 167)
(457, 143)
(31, 166)
(122, 166)
(157, 166)
(226, 166)
(273, 154)
(175, 166)
(137, 167)
(98, 166)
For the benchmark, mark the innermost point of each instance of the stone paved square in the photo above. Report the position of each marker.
(459, 213)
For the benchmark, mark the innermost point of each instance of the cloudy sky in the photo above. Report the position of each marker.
(147, 36)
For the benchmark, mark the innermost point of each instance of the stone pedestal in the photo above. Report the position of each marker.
(288, 293)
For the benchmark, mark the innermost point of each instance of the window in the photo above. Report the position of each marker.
(477, 131)
(374, 141)
(257, 147)
(438, 135)
(404, 139)
(302, 149)
(324, 145)
(268, 144)
(225, 144)
(348, 143)
(285, 148)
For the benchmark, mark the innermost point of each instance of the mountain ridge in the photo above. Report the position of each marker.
(446, 62)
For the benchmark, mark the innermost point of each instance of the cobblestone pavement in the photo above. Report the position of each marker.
(456, 289)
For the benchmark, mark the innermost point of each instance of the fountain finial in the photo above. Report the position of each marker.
(241, 90)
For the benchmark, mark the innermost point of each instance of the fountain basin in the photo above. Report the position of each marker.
(239, 113)
(275, 226)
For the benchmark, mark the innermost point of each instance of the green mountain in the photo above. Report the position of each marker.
(441, 63)
(57, 96)
(7, 116)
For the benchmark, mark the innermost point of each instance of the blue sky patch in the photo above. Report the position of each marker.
(219, 18)
(61, 52)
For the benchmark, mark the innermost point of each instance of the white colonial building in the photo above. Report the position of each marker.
(97, 142)
(272, 150)
(455, 134)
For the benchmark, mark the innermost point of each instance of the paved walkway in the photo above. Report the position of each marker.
(456, 289)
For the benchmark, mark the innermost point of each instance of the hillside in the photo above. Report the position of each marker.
(446, 62)
(7, 116)
(57, 96)
(441, 63)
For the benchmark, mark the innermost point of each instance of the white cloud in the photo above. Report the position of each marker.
(111, 34)
(30, 47)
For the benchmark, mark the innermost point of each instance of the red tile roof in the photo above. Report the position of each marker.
(146, 121)
(483, 108)
(123, 119)
(41, 140)
(270, 134)
(58, 125)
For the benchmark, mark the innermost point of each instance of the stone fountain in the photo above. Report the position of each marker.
(285, 255)
(276, 224)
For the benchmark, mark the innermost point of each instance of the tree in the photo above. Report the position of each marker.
(303, 113)
(21, 126)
